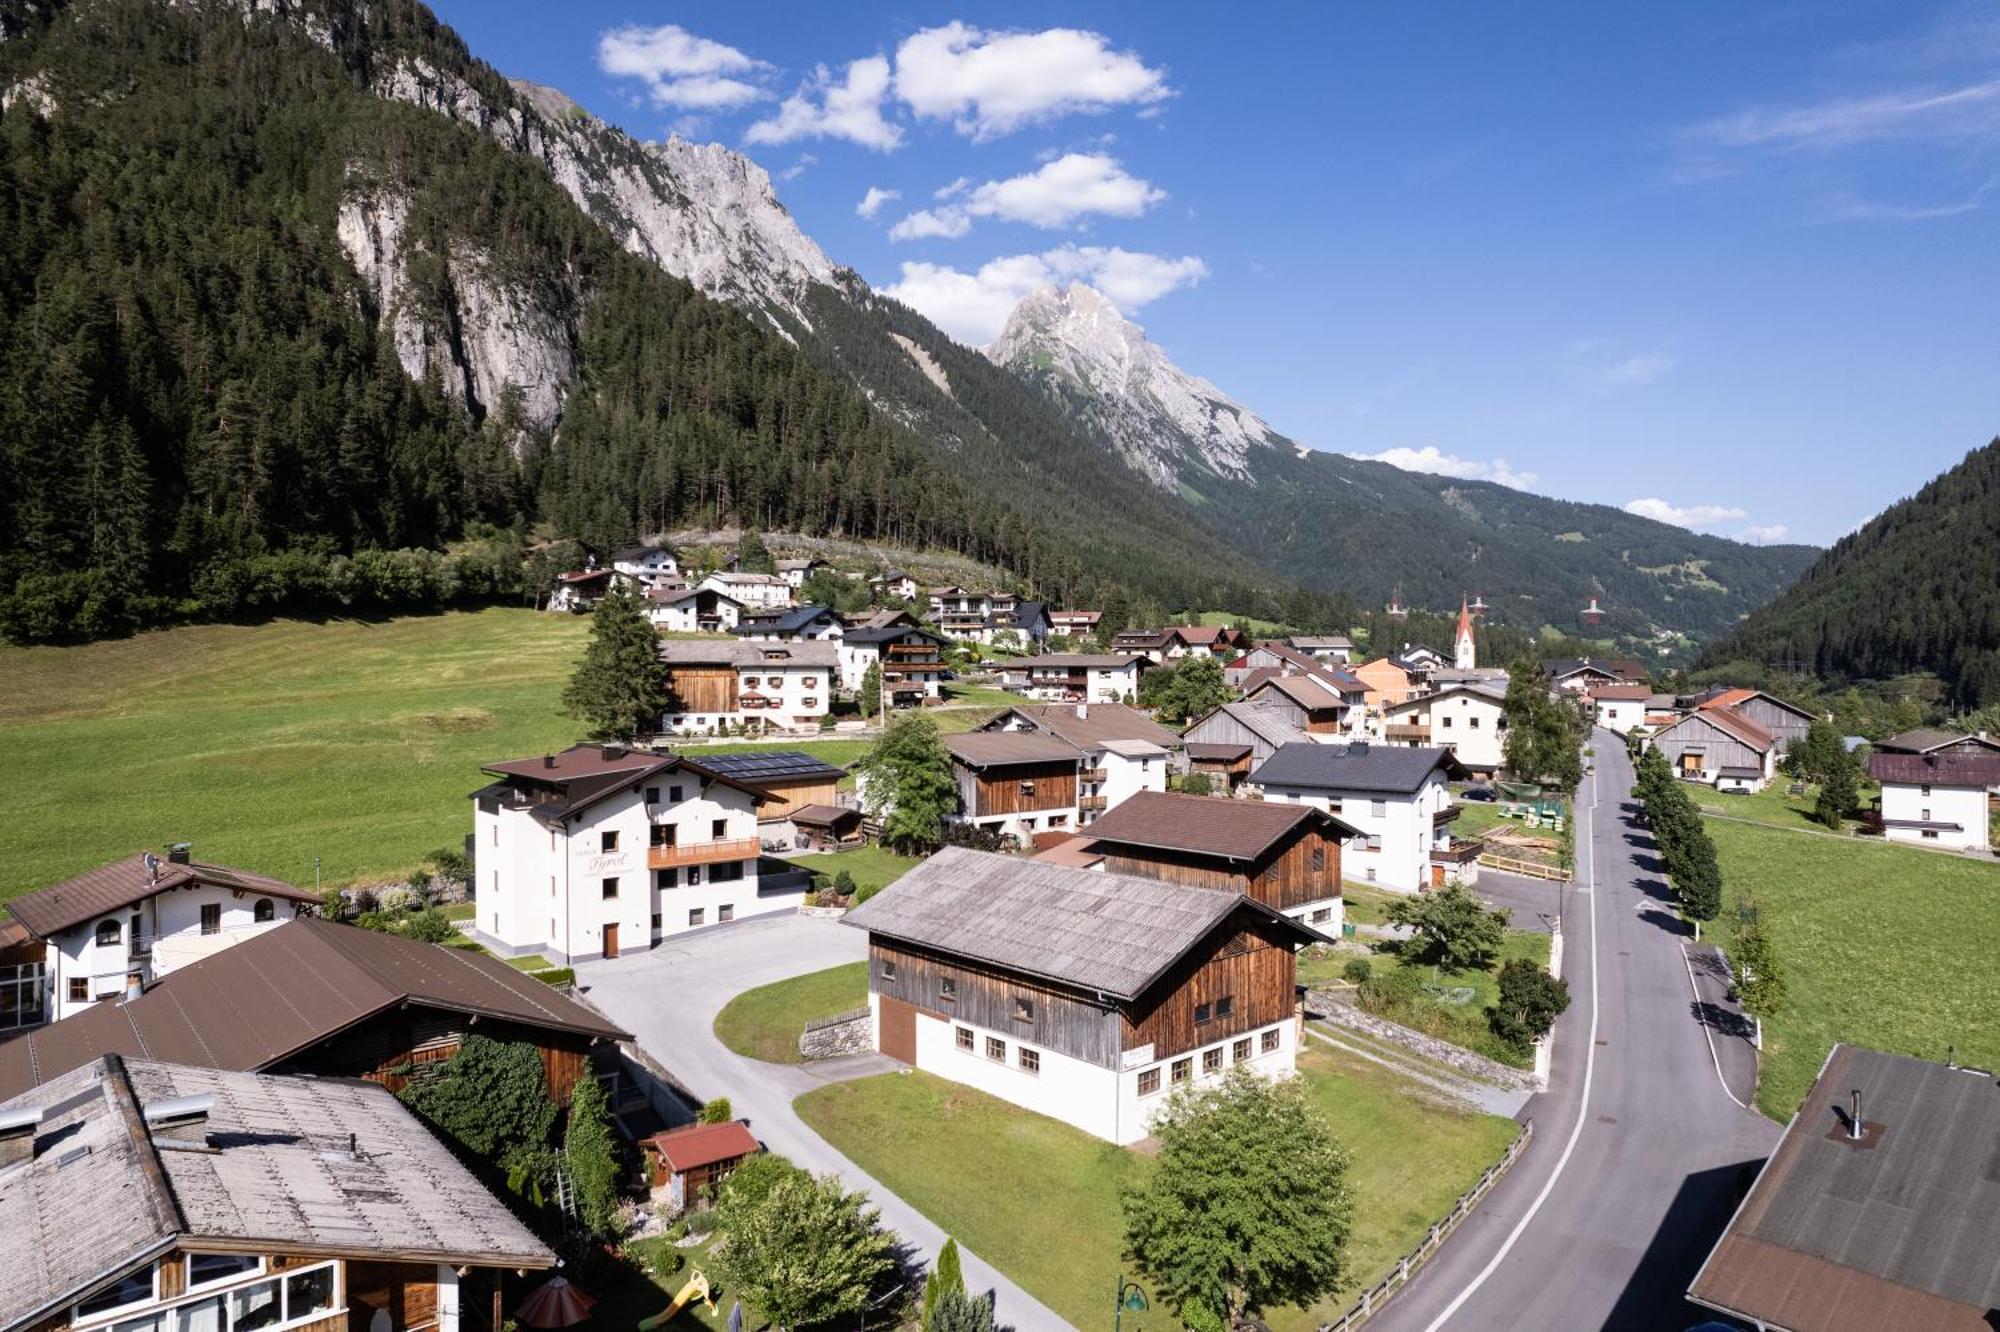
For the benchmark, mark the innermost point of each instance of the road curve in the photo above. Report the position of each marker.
(1639, 1147)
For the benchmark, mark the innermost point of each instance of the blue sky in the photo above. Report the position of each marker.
(1732, 263)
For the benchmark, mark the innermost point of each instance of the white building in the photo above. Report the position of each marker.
(1127, 990)
(795, 572)
(895, 583)
(1335, 649)
(580, 589)
(648, 566)
(1937, 799)
(812, 623)
(752, 591)
(1395, 799)
(692, 610)
(782, 685)
(1465, 649)
(1124, 750)
(1076, 677)
(1621, 708)
(599, 851)
(1468, 720)
(102, 929)
(910, 658)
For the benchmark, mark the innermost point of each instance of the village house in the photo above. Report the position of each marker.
(579, 589)
(1076, 677)
(762, 685)
(1152, 644)
(1786, 723)
(1718, 747)
(1877, 1210)
(313, 996)
(1219, 641)
(809, 623)
(1284, 856)
(1015, 783)
(1930, 740)
(1227, 741)
(143, 1196)
(1075, 623)
(600, 850)
(1026, 621)
(1468, 720)
(895, 583)
(1577, 674)
(1124, 750)
(1396, 800)
(1938, 798)
(1334, 649)
(966, 616)
(1274, 658)
(794, 780)
(1314, 703)
(692, 610)
(24, 972)
(796, 572)
(647, 566)
(909, 658)
(120, 925)
(1620, 708)
(1388, 681)
(751, 591)
(1084, 996)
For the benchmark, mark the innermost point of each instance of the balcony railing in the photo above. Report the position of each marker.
(1091, 803)
(1090, 774)
(1406, 732)
(1446, 815)
(1458, 853)
(702, 853)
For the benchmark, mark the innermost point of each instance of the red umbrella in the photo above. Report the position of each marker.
(557, 1304)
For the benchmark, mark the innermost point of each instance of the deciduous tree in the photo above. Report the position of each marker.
(807, 1252)
(1195, 686)
(1451, 928)
(1530, 1002)
(909, 785)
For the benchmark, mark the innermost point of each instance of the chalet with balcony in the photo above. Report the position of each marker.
(601, 850)
(1226, 742)
(895, 583)
(1084, 996)
(1577, 674)
(1939, 798)
(1284, 856)
(1152, 644)
(796, 572)
(647, 566)
(580, 589)
(1015, 783)
(1077, 677)
(759, 685)
(121, 925)
(313, 996)
(1124, 750)
(144, 1196)
(909, 658)
(967, 616)
(1470, 720)
(752, 591)
(679, 609)
(1395, 799)
(815, 624)
(1075, 623)
(794, 780)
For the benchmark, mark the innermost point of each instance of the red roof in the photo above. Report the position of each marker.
(1729, 698)
(1620, 693)
(702, 1144)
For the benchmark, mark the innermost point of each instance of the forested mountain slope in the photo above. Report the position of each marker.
(1916, 589)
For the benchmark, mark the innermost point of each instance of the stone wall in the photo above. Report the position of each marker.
(1338, 1008)
(844, 1034)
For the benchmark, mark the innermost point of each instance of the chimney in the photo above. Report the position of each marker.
(1854, 1114)
(1357, 749)
(17, 1134)
(180, 853)
(548, 760)
(180, 1121)
(134, 987)
(1082, 711)
(610, 752)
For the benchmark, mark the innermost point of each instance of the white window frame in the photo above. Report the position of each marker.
(187, 1262)
(222, 1288)
(113, 1314)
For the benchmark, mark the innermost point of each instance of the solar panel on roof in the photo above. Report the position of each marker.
(783, 763)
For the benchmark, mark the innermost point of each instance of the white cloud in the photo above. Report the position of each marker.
(827, 108)
(1600, 364)
(992, 83)
(1971, 112)
(973, 307)
(679, 68)
(1689, 515)
(1056, 194)
(798, 168)
(1434, 460)
(871, 202)
(1765, 534)
(1640, 368)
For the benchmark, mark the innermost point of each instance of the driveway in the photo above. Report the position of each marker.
(1640, 1145)
(668, 999)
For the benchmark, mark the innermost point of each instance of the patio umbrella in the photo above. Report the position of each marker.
(557, 1304)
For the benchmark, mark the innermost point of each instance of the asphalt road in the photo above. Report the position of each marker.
(668, 999)
(1640, 1147)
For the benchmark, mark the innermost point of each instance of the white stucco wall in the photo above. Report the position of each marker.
(1394, 850)
(75, 954)
(1621, 715)
(1963, 805)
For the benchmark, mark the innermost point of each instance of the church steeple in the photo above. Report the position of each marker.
(1466, 652)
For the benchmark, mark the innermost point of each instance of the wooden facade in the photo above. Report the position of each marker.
(1302, 868)
(703, 688)
(1023, 788)
(795, 793)
(383, 1048)
(1697, 744)
(1251, 967)
(1059, 1020)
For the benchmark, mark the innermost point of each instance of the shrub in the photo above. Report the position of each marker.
(1530, 1001)
(717, 1111)
(657, 1254)
(863, 894)
(394, 899)
(752, 1182)
(429, 926)
(1357, 970)
(556, 976)
(843, 883)
(332, 904)
(1196, 783)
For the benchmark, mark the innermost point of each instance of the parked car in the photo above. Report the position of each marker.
(1480, 793)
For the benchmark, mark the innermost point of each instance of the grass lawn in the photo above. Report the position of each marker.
(1881, 945)
(875, 866)
(964, 692)
(1039, 1199)
(353, 741)
(1462, 1024)
(1365, 904)
(765, 1023)
(1249, 624)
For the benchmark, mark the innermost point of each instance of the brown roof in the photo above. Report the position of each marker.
(1086, 660)
(1207, 825)
(1301, 689)
(1077, 852)
(1622, 692)
(1897, 1230)
(1936, 769)
(1923, 739)
(586, 774)
(283, 991)
(111, 887)
(1100, 722)
(992, 749)
(824, 816)
(1215, 752)
(703, 1144)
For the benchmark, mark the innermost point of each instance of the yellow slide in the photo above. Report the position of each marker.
(697, 1285)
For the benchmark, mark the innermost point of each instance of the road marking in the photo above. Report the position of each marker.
(1583, 1105)
(1714, 1058)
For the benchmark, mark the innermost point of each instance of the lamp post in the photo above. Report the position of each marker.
(1131, 1299)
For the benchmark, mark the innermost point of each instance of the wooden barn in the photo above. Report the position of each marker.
(1017, 783)
(1226, 742)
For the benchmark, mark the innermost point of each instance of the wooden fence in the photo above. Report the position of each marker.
(1533, 869)
(1373, 1299)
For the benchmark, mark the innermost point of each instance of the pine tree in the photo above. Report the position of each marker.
(870, 697)
(620, 688)
(947, 1277)
(752, 556)
(1838, 795)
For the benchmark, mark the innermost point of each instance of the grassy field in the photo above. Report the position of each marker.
(1772, 806)
(870, 865)
(1039, 1199)
(1462, 1024)
(765, 1023)
(1249, 624)
(1881, 945)
(269, 745)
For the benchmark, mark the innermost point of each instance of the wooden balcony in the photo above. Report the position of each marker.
(1421, 734)
(1090, 803)
(702, 853)
(1458, 853)
(1446, 815)
(1090, 774)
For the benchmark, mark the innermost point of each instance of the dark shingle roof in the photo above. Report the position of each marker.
(1936, 769)
(285, 990)
(1113, 933)
(108, 888)
(1922, 739)
(989, 749)
(1351, 767)
(791, 621)
(1208, 825)
(1901, 1229)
